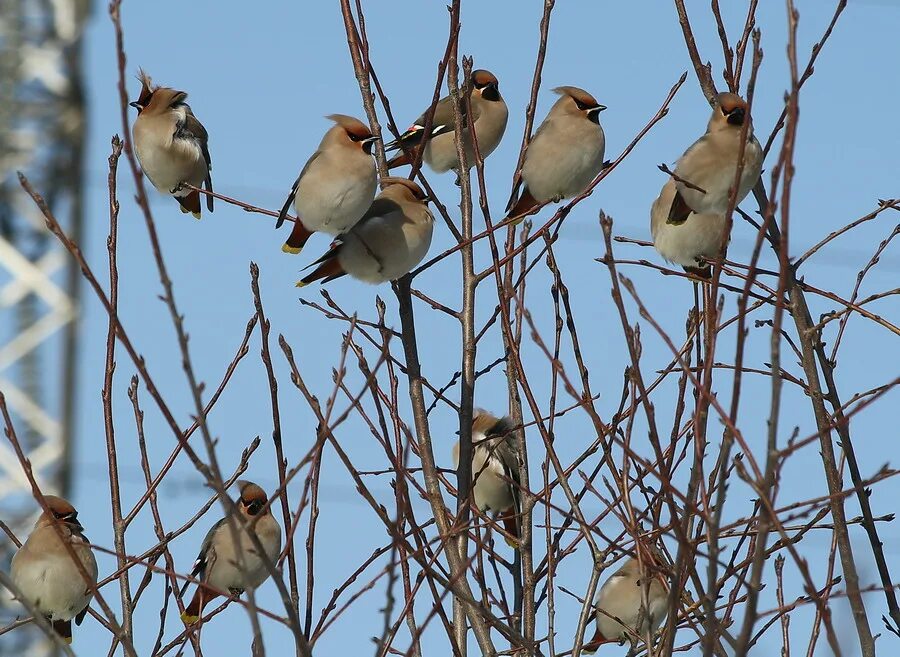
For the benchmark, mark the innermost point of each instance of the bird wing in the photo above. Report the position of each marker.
(381, 207)
(679, 211)
(293, 194)
(207, 556)
(193, 130)
(79, 535)
(442, 123)
(517, 179)
(506, 451)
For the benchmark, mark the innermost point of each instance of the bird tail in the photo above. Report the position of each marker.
(190, 203)
(412, 137)
(329, 269)
(511, 525)
(703, 272)
(64, 629)
(591, 646)
(297, 239)
(194, 610)
(399, 160)
(523, 206)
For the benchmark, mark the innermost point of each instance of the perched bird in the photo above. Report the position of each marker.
(699, 236)
(45, 573)
(711, 163)
(336, 185)
(621, 608)
(564, 156)
(219, 564)
(391, 238)
(172, 145)
(495, 469)
(489, 113)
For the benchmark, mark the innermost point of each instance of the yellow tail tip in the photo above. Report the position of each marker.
(188, 619)
(293, 250)
(67, 640)
(197, 215)
(511, 543)
(301, 284)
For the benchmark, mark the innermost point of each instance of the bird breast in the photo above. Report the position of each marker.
(385, 248)
(228, 574)
(332, 198)
(562, 160)
(491, 488)
(622, 597)
(699, 236)
(711, 164)
(440, 152)
(167, 161)
(52, 583)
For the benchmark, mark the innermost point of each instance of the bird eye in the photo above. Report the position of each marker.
(580, 105)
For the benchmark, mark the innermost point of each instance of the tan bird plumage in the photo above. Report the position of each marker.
(699, 236)
(391, 238)
(621, 611)
(495, 470)
(490, 115)
(711, 162)
(172, 145)
(564, 156)
(46, 575)
(218, 566)
(336, 185)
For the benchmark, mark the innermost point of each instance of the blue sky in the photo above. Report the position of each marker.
(261, 81)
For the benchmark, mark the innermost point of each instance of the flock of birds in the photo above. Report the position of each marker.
(381, 239)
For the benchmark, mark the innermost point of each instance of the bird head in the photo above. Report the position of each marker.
(485, 83)
(578, 101)
(253, 498)
(355, 130)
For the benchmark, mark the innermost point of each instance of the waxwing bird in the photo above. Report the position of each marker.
(495, 469)
(564, 156)
(699, 237)
(711, 163)
(630, 602)
(225, 566)
(45, 573)
(172, 145)
(336, 185)
(489, 113)
(392, 237)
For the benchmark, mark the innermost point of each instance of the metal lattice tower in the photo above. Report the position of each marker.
(42, 134)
